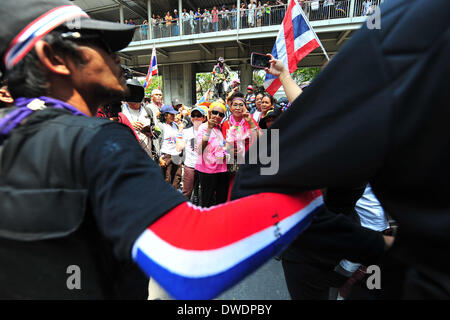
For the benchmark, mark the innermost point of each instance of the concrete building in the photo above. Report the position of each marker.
(191, 46)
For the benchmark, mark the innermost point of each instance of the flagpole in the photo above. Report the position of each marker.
(312, 29)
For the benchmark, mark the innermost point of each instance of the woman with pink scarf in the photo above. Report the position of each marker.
(240, 132)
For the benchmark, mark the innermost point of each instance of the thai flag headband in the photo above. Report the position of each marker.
(36, 30)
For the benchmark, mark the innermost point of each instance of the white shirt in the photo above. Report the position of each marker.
(257, 115)
(189, 137)
(370, 211)
(169, 140)
(142, 116)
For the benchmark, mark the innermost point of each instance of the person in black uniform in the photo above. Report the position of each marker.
(379, 113)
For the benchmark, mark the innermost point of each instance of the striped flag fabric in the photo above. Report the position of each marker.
(295, 40)
(204, 101)
(152, 69)
(197, 253)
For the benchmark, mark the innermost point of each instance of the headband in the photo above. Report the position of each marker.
(217, 104)
(239, 98)
(36, 30)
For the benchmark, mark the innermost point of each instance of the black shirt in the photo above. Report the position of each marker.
(127, 191)
(379, 112)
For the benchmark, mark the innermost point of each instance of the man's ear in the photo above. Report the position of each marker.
(53, 62)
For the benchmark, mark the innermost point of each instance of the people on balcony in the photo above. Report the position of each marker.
(175, 22)
(216, 19)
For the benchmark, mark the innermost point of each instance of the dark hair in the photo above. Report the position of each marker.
(162, 117)
(235, 95)
(28, 78)
(273, 101)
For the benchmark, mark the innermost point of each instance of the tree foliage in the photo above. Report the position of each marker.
(157, 82)
(300, 75)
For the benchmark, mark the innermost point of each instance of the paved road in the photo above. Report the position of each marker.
(267, 283)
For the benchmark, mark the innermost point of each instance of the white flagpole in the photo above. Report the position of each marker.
(312, 29)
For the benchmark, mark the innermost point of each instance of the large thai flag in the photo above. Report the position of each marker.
(197, 253)
(295, 40)
(152, 69)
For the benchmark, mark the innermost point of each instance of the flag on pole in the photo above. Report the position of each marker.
(295, 40)
(204, 101)
(152, 69)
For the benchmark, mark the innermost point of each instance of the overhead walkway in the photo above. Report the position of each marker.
(192, 44)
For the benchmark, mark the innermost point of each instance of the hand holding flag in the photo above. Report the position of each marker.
(295, 40)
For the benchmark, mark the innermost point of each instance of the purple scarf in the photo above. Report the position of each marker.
(25, 108)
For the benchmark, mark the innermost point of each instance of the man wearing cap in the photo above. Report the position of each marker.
(156, 102)
(81, 205)
(184, 118)
(139, 118)
(250, 98)
(220, 76)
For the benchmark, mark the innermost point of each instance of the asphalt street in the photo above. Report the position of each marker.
(266, 283)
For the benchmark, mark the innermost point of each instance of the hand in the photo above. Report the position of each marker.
(162, 163)
(276, 67)
(137, 125)
(212, 123)
(248, 117)
(388, 241)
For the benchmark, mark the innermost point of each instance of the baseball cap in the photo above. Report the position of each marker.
(24, 22)
(136, 91)
(250, 87)
(168, 109)
(201, 110)
(176, 102)
(271, 114)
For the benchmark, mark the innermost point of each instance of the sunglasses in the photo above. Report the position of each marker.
(220, 114)
(196, 115)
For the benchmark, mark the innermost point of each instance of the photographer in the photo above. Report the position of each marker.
(138, 116)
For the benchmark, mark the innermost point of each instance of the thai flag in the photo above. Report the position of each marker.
(197, 253)
(152, 69)
(295, 40)
(205, 99)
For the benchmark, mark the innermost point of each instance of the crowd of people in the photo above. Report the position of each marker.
(252, 14)
(172, 136)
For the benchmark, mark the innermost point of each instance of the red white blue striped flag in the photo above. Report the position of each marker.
(295, 40)
(198, 253)
(152, 69)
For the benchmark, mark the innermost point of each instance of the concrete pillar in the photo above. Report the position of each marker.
(246, 76)
(180, 21)
(121, 13)
(178, 82)
(238, 15)
(352, 8)
(149, 14)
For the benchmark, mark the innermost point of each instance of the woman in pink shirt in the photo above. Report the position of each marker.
(212, 161)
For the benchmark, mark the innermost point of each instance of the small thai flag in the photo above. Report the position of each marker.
(295, 40)
(205, 99)
(152, 69)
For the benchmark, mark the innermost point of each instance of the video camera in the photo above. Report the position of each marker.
(112, 109)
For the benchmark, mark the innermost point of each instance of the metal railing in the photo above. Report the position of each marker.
(262, 16)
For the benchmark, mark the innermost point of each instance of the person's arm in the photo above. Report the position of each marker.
(278, 69)
(180, 142)
(193, 253)
(254, 130)
(206, 135)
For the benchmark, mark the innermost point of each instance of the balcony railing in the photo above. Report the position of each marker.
(252, 18)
